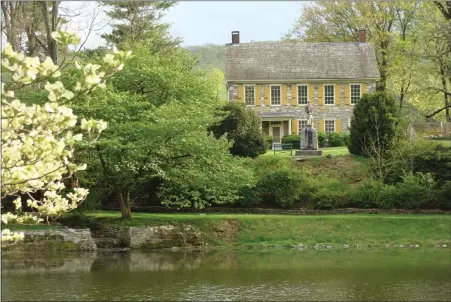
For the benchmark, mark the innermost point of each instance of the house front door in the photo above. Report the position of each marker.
(276, 134)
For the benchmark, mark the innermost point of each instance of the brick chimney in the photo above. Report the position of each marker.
(235, 37)
(362, 36)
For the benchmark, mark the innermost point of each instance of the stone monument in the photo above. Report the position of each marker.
(309, 136)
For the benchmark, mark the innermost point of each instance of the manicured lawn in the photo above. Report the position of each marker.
(252, 230)
(329, 150)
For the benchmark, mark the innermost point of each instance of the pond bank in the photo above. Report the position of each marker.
(105, 230)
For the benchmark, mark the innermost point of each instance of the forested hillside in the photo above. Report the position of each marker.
(210, 56)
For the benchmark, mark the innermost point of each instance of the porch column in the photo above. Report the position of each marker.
(289, 127)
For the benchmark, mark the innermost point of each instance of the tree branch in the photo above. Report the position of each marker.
(438, 111)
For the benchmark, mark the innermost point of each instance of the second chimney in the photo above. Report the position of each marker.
(362, 36)
(235, 37)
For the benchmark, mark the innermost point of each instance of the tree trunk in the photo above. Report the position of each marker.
(124, 201)
(50, 26)
(10, 11)
(445, 95)
(382, 83)
(401, 96)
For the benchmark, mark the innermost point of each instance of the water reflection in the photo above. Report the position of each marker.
(229, 275)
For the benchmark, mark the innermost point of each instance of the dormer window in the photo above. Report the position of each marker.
(249, 95)
(275, 96)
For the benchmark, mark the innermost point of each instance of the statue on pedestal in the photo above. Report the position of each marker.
(309, 111)
(309, 137)
(309, 129)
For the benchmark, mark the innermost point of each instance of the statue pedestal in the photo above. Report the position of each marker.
(309, 143)
(309, 153)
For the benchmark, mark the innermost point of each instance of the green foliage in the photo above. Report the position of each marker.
(268, 140)
(279, 183)
(242, 127)
(91, 203)
(281, 187)
(373, 124)
(210, 56)
(434, 159)
(329, 194)
(295, 140)
(444, 197)
(414, 191)
(322, 139)
(158, 111)
(140, 22)
(337, 139)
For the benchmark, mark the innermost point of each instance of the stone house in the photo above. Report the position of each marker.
(277, 80)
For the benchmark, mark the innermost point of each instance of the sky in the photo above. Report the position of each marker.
(208, 22)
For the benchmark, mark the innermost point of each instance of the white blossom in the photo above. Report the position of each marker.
(38, 156)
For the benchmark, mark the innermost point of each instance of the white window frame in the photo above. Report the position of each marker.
(255, 95)
(350, 92)
(270, 95)
(299, 125)
(297, 92)
(324, 94)
(335, 125)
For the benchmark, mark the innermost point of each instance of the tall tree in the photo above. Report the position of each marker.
(138, 21)
(158, 111)
(328, 21)
(436, 49)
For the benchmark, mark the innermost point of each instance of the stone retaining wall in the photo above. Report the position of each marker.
(159, 209)
(68, 239)
(58, 239)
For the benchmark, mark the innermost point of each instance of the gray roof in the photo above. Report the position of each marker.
(300, 60)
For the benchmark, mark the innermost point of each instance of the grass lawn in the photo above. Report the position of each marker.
(329, 150)
(252, 230)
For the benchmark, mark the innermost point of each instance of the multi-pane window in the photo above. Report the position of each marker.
(302, 95)
(302, 125)
(275, 95)
(329, 94)
(355, 94)
(249, 95)
(329, 126)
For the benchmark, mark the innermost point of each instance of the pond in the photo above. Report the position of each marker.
(388, 274)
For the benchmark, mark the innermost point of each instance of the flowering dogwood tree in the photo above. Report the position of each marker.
(38, 140)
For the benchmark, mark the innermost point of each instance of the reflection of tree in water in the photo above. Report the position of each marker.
(111, 261)
(147, 261)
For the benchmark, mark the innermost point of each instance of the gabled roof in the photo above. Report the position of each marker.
(289, 60)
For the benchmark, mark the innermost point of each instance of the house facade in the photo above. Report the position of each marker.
(277, 80)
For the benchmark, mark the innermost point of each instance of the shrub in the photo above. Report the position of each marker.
(329, 194)
(346, 139)
(322, 139)
(243, 128)
(267, 164)
(434, 159)
(415, 190)
(373, 124)
(279, 182)
(280, 188)
(444, 197)
(295, 140)
(335, 139)
(268, 140)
